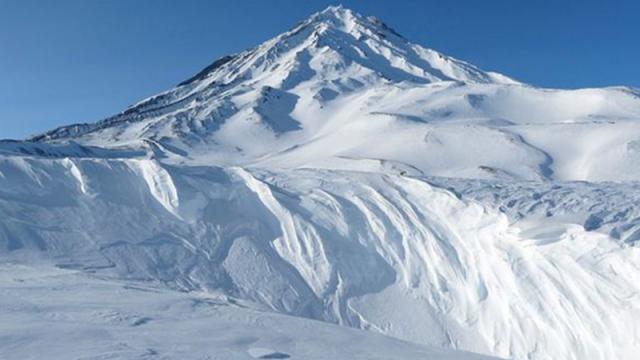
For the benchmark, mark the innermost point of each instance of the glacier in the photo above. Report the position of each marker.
(339, 183)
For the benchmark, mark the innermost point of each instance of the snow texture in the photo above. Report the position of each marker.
(72, 315)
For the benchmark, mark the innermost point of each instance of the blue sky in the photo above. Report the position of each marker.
(68, 61)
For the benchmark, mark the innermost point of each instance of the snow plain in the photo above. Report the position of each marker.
(73, 315)
(338, 173)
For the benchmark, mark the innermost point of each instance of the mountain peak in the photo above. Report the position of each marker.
(336, 10)
(346, 20)
(335, 51)
(337, 14)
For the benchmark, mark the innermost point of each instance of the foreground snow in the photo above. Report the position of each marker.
(388, 253)
(59, 314)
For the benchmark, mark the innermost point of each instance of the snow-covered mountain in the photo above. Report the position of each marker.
(344, 91)
(339, 172)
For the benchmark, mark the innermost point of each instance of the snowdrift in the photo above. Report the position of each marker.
(344, 247)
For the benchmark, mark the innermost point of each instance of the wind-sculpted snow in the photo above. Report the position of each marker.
(28, 149)
(610, 208)
(344, 247)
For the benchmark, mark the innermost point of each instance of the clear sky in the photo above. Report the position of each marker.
(69, 61)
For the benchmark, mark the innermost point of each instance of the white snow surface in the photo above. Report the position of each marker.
(338, 173)
(383, 252)
(72, 315)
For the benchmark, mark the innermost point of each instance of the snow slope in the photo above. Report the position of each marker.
(340, 173)
(340, 246)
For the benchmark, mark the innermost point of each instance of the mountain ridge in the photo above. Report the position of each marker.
(334, 18)
(334, 88)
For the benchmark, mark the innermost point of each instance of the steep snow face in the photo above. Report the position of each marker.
(382, 252)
